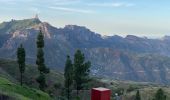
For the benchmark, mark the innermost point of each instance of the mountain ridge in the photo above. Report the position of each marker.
(124, 58)
(77, 26)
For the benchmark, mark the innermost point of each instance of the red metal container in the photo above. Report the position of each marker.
(100, 94)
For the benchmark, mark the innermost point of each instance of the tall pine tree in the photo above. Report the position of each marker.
(68, 74)
(81, 71)
(137, 97)
(160, 95)
(21, 61)
(41, 62)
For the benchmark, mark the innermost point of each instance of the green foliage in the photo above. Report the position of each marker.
(119, 91)
(17, 92)
(40, 40)
(160, 95)
(68, 74)
(40, 62)
(9, 70)
(40, 57)
(77, 98)
(21, 60)
(137, 97)
(132, 88)
(41, 80)
(81, 70)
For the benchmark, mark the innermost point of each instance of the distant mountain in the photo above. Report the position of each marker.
(130, 58)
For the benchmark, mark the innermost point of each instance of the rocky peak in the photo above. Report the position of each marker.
(14, 25)
(134, 38)
(45, 29)
(73, 27)
(115, 37)
(166, 38)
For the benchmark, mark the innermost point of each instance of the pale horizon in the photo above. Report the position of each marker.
(110, 17)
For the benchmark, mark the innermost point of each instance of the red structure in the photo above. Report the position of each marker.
(100, 94)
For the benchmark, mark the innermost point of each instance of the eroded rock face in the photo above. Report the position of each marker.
(130, 58)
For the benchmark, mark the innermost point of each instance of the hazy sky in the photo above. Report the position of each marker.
(108, 17)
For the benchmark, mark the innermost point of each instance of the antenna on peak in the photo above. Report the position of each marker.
(36, 16)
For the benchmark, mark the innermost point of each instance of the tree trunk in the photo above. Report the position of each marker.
(20, 74)
(68, 91)
(21, 78)
(68, 94)
(77, 92)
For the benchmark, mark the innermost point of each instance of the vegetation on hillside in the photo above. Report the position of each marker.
(160, 95)
(81, 71)
(68, 74)
(9, 71)
(16, 92)
(74, 84)
(43, 70)
(21, 61)
(137, 97)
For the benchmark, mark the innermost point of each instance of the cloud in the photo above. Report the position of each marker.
(9, 2)
(35, 10)
(114, 4)
(15, 2)
(71, 10)
(64, 3)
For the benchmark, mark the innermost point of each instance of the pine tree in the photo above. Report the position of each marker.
(81, 70)
(21, 61)
(68, 74)
(160, 95)
(137, 97)
(40, 62)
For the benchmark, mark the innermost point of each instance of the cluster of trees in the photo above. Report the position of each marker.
(160, 95)
(77, 73)
(43, 70)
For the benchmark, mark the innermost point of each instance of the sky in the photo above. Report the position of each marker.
(150, 18)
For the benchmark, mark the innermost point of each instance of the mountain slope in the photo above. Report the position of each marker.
(11, 91)
(130, 58)
(9, 70)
